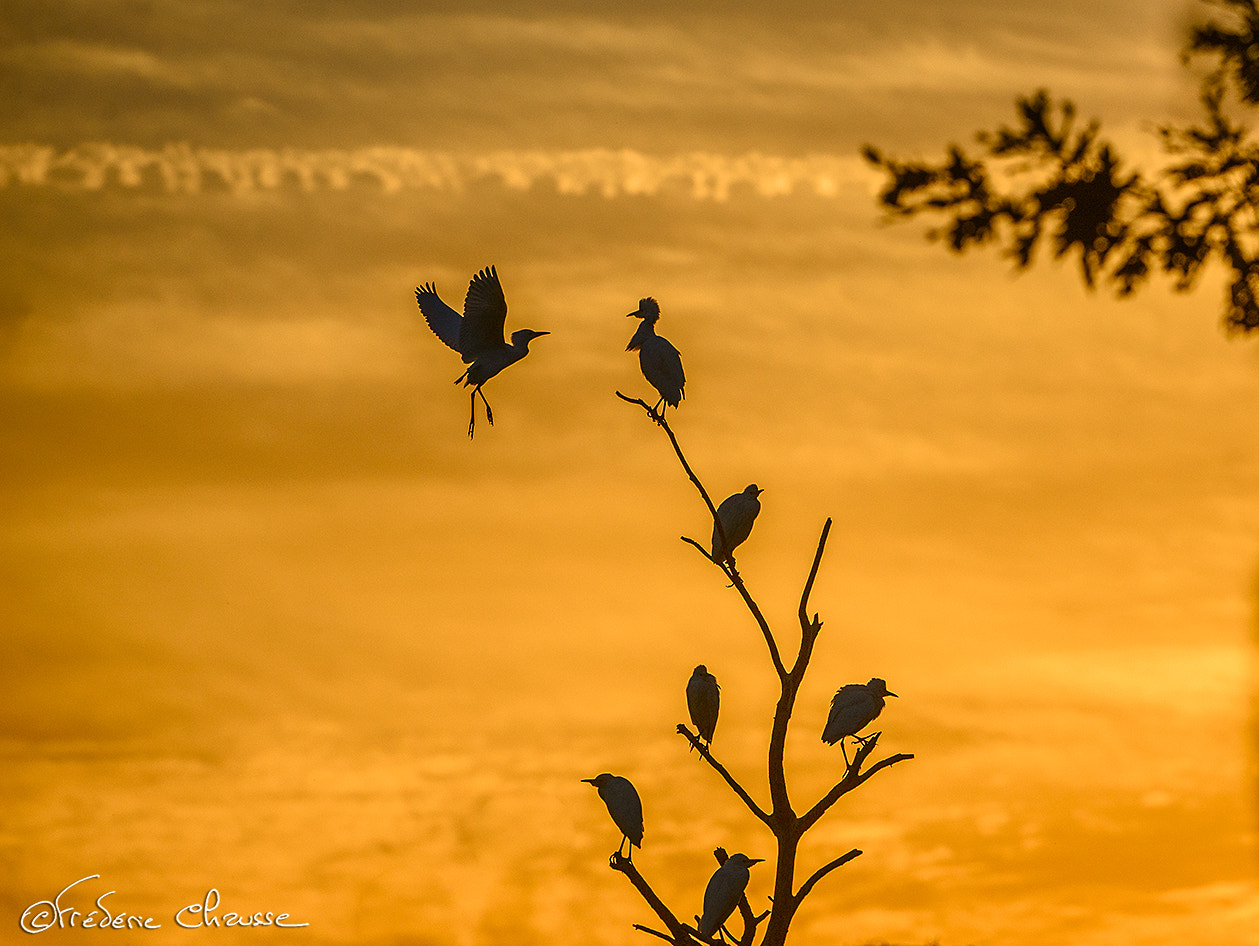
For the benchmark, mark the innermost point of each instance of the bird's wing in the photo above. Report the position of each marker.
(671, 362)
(840, 718)
(484, 312)
(441, 318)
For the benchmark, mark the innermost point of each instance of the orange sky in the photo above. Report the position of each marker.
(273, 625)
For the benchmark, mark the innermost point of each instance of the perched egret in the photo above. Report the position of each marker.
(854, 707)
(736, 514)
(660, 361)
(624, 805)
(477, 335)
(703, 699)
(724, 889)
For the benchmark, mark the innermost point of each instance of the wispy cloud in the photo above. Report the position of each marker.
(181, 168)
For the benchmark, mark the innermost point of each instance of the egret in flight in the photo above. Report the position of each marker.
(703, 699)
(854, 707)
(736, 515)
(724, 890)
(477, 335)
(660, 361)
(624, 805)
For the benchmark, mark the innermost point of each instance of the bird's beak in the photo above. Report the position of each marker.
(630, 315)
(888, 693)
(541, 333)
(590, 780)
(755, 860)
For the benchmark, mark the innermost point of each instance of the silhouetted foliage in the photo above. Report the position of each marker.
(1045, 179)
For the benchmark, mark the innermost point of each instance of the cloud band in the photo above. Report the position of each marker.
(179, 168)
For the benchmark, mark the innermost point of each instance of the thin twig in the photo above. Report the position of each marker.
(808, 627)
(702, 551)
(648, 929)
(730, 572)
(823, 871)
(697, 743)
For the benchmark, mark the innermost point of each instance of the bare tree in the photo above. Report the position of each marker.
(780, 817)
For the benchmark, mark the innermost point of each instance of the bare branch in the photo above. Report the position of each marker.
(823, 871)
(626, 866)
(852, 778)
(647, 929)
(697, 744)
(731, 572)
(805, 623)
(703, 551)
(659, 419)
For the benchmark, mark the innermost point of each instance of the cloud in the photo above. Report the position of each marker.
(181, 168)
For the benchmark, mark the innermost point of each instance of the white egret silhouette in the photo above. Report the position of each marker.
(854, 707)
(703, 700)
(660, 361)
(736, 515)
(477, 335)
(723, 892)
(624, 805)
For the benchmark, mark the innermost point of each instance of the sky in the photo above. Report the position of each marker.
(276, 627)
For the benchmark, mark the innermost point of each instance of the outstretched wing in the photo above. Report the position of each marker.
(484, 312)
(441, 318)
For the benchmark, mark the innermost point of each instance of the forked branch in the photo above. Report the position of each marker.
(852, 778)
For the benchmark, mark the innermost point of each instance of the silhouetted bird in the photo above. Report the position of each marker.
(624, 805)
(736, 514)
(854, 707)
(660, 361)
(723, 892)
(703, 700)
(477, 335)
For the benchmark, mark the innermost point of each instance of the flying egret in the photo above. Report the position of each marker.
(854, 707)
(624, 805)
(736, 514)
(477, 335)
(660, 361)
(703, 699)
(723, 892)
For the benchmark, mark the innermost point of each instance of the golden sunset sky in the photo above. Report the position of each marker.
(271, 624)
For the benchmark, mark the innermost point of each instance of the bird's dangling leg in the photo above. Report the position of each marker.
(472, 419)
(489, 414)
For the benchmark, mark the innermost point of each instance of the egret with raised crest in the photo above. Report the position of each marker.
(660, 361)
